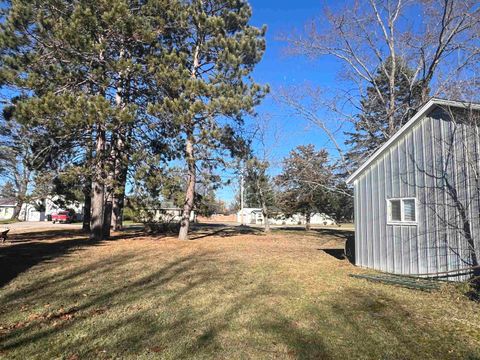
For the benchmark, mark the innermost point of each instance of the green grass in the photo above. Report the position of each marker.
(128, 223)
(224, 295)
(8, 221)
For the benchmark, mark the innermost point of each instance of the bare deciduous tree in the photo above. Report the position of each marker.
(371, 38)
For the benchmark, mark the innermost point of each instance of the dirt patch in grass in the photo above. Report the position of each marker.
(230, 292)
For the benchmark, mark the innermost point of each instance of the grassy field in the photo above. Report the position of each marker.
(226, 294)
(8, 221)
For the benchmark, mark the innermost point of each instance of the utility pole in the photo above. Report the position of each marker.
(241, 196)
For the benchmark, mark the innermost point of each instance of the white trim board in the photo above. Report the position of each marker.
(420, 114)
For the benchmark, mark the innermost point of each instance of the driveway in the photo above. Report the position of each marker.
(32, 226)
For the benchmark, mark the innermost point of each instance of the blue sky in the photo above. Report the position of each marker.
(279, 70)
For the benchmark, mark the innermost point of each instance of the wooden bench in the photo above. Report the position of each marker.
(3, 234)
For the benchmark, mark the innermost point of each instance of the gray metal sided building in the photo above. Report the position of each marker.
(417, 203)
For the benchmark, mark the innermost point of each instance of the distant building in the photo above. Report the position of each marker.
(32, 212)
(250, 216)
(255, 216)
(52, 206)
(218, 218)
(7, 207)
(38, 210)
(169, 213)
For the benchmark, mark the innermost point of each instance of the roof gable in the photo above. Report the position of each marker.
(422, 112)
(7, 202)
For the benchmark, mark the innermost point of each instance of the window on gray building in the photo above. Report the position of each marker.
(395, 210)
(409, 210)
(402, 211)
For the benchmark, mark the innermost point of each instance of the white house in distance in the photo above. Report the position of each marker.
(250, 216)
(255, 216)
(417, 198)
(51, 207)
(6, 208)
(169, 213)
(30, 211)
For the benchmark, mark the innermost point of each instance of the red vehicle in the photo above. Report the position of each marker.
(63, 217)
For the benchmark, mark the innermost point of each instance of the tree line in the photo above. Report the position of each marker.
(309, 182)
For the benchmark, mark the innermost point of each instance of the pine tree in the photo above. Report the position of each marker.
(373, 126)
(84, 66)
(214, 51)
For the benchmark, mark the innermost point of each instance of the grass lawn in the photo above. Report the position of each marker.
(226, 295)
(8, 221)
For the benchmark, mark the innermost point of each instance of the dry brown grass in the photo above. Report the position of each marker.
(228, 293)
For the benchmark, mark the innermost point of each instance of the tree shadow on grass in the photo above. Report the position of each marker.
(220, 230)
(300, 343)
(44, 235)
(333, 232)
(50, 287)
(375, 324)
(142, 328)
(187, 306)
(361, 324)
(26, 250)
(184, 307)
(200, 231)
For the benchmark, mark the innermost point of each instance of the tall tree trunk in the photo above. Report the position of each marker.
(263, 202)
(307, 221)
(120, 161)
(98, 188)
(21, 183)
(107, 213)
(267, 221)
(87, 208)
(119, 202)
(121, 170)
(425, 91)
(17, 209)
(392, 89)
(190, 194)
(87, 187)
(190, 157)
(110, 186)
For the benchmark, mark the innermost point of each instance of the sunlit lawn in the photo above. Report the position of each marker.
(8, 221)
(224, 295)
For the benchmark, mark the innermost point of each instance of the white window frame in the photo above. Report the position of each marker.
(402, 212)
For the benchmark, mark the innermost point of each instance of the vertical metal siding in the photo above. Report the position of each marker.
(441, 215)
(357, 218)
(430, 200)
(419, 181)
(371, 236)
(380, 215)
(388, 181)
(419, 165)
